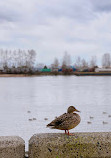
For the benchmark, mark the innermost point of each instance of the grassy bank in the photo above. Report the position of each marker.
(32, 74)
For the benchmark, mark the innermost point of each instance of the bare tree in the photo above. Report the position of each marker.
(106, 60)
(66, 60)
(93, 61)
(78, 62)
(5, 57)
(40, 65)
(31, 57)
(84, 63)
(55, 64)
(1, 58)
(20, 58)
(17, 59)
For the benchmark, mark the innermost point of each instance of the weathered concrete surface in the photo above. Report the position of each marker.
(12, 147)
(81, 145)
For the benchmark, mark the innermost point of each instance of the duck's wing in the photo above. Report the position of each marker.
(70, 122)
(59, 120)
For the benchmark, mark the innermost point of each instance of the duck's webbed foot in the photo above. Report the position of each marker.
(69, 134)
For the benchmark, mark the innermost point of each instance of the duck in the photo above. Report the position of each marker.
(66, 121)
(34, 118)
(30, 119)
(105, 122)
(104, 112)
(91, 117)
(45, 118)
(89, 122)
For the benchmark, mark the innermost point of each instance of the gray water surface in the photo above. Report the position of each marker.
(25, 98)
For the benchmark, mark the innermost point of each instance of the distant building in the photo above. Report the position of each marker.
(1, 70)
(102, 69)
(60, 70)
(54, 69)
(45, 69)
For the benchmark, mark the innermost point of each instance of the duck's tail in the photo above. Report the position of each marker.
(51, 125)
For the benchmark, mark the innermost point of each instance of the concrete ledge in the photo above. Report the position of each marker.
(12, 147)
(81, 145)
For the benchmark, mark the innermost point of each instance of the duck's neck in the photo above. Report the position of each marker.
(70, 112)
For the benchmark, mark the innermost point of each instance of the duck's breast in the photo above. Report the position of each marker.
(74, 121)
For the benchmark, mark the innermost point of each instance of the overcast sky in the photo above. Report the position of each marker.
(51, 27)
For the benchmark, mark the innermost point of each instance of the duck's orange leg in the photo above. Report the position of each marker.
(70, 134)
(65, 132)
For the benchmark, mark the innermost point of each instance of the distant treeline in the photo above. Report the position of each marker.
(17, 61)
(81, 63)
(24, 61)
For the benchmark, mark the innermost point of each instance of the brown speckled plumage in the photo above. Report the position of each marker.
(66, 121)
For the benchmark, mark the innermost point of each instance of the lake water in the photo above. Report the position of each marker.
(25, 98)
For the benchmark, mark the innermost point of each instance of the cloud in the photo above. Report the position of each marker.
(101, 5)
(81, 27)
(70, 9)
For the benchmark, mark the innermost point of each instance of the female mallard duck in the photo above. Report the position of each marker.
(66, 121)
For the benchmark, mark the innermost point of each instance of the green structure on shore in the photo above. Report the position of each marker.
(45, 69)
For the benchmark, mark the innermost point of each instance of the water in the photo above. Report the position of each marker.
(48, 97)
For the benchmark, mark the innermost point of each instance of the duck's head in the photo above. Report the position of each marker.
(71, 109)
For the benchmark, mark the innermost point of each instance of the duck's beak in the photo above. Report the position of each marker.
(77, 110)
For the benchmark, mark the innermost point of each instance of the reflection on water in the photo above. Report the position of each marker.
(27, 104)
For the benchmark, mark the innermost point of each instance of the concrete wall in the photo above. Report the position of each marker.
(12, 147)
(81, 145)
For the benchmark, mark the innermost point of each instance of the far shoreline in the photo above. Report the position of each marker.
(57, 74)
(14, 75)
